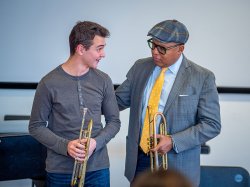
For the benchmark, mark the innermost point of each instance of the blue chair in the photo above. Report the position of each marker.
(224, 176)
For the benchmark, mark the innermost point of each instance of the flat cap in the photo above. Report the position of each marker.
(170, 31)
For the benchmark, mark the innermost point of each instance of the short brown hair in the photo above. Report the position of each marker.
(84, 33)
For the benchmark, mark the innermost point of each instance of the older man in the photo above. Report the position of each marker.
(183, 91)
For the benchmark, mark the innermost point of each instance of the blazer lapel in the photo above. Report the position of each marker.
(144, 74)
(178, 83)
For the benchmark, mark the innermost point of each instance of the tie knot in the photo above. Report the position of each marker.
(163, 70)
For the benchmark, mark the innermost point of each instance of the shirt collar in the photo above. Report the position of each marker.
(175, 67)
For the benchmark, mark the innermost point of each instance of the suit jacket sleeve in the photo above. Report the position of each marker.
(123, 92)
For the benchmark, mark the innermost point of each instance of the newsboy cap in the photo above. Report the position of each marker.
(170, 31)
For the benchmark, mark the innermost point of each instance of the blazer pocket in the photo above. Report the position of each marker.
(188, 98)
(188, 103)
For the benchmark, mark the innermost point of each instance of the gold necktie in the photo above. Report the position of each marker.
(153, 102)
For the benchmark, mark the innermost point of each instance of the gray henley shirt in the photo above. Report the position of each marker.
(56, 116)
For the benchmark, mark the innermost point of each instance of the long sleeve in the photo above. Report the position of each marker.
(38, 126)
(111, 114)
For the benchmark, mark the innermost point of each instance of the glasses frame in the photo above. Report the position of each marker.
(161, 49)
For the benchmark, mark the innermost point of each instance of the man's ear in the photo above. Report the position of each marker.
(80, 49)
(181, 48)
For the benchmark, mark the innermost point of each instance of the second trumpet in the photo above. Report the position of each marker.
(154, 156)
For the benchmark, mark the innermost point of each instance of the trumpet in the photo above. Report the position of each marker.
(79, 170)
(154, 156)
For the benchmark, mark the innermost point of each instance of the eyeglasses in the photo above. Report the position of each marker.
(162, 50)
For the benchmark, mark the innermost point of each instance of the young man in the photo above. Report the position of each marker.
(57, 111)
(183, 91)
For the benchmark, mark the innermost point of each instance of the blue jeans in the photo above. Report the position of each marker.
(99, 178)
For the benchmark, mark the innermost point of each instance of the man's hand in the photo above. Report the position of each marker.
(92, 146)
(165, 144)
(76, 149)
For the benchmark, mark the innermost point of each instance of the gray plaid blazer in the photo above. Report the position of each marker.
(192, 112)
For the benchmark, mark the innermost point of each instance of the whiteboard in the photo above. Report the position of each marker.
(34, 35)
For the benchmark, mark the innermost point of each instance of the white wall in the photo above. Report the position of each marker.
(231, 147)
(34, 35)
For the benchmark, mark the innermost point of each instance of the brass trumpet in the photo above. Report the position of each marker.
(154, 156)
(79, 170)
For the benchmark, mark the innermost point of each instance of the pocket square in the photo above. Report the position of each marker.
(183, 95)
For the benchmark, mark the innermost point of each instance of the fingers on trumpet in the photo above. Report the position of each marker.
(152, 144)
(80, 149)
(164, 144)
(77, 149)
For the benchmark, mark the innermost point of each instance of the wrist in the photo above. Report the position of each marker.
(174, 146)
(172, 141)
